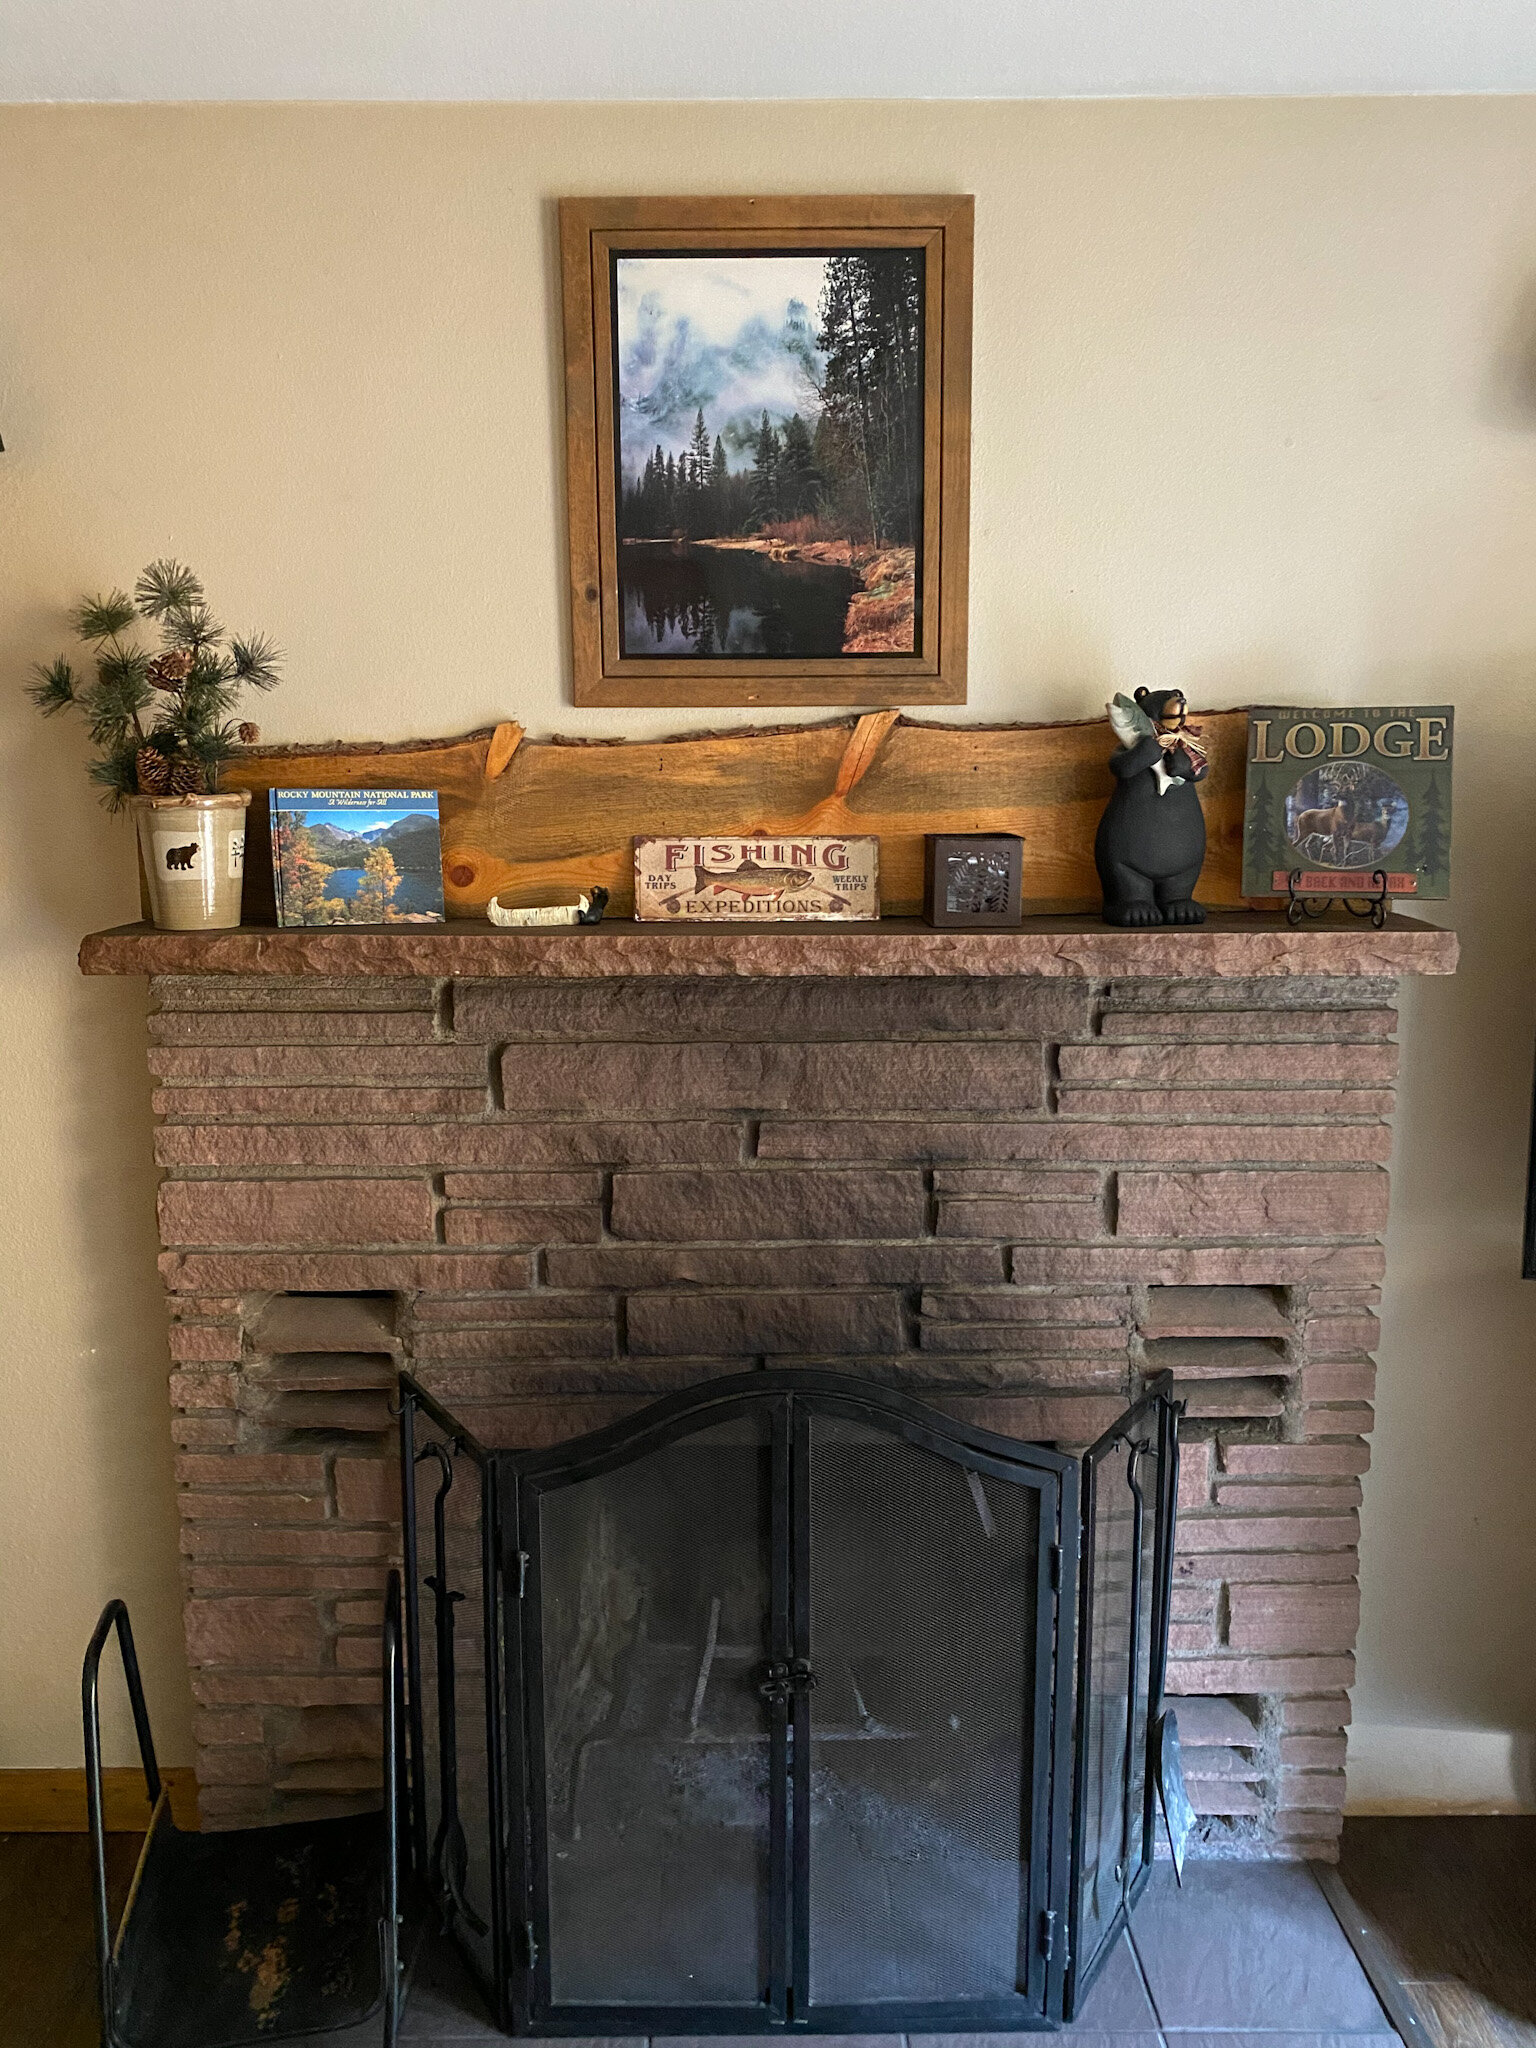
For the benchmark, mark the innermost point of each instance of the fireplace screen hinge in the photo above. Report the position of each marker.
(1055, 1567)
(530, 1945)
(1048, 1934)
(522, 1575)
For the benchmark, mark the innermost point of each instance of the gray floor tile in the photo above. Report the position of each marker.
(1252, 1948)
(444, 2004)
(1117, 2002)
(1079, 2036)
(1116, 2006)
(368, 2035)
(1246, 1956)
(437, 2028)
(1267, 2039)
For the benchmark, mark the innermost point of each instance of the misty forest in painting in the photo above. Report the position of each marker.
(769, 428)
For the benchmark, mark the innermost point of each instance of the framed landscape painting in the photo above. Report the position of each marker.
(768, 447)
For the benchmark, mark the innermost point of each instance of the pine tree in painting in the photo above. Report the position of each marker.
(799, 479)
(872, 389)
(765, 473)
(698, 447)
(1260, 819)
(1434, 851)
(301, 877)
(375, 895)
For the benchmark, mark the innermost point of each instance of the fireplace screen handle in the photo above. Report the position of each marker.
(782, 1680)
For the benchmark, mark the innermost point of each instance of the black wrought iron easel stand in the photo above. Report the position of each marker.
(1374, 906)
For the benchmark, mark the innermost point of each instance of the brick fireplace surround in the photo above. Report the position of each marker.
(558, 1174)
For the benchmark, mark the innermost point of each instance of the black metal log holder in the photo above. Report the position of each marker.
(1371, 903)
(257, 1934)
(484, 1822)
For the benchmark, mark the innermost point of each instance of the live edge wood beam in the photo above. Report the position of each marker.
(534, 821)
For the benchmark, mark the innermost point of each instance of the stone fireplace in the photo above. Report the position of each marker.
(558, 1174)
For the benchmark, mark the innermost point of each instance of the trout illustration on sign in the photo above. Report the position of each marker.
(754, 885)
(736, 879)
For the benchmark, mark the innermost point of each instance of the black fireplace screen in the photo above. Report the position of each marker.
(788, 1703)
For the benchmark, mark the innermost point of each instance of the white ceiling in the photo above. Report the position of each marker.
(768, 49)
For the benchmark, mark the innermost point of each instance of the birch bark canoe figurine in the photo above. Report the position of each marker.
(587, 909)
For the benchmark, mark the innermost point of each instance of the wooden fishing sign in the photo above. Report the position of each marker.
(757, 880)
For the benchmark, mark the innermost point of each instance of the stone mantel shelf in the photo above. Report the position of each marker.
(1232, 943)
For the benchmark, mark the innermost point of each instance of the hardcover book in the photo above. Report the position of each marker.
(742, 880)
(1336, 797)
(356, 856)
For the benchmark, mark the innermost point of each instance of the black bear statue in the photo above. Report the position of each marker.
(1151, 839)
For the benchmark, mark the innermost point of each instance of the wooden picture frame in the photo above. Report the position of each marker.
(916, 596)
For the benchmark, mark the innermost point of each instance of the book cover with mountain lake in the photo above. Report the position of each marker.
(356, 856)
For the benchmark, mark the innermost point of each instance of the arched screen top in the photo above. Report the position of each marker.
(701, 1407)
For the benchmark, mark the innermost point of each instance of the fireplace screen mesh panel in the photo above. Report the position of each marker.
(923, 1583)
(1129, 1475)
(1106, 1720)
(787, 1721)
(448, 1619)
(654, 1589)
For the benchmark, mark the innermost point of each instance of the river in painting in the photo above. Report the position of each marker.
(681, 598)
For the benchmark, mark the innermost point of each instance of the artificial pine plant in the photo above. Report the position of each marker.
(164, 722)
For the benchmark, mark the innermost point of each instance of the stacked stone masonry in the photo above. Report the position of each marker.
(557, 1200)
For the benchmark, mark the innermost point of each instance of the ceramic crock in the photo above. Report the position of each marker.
(193, 850)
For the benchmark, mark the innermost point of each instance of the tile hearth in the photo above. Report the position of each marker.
(1245, 1956)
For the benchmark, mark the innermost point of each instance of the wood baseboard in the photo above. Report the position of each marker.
(53, 1802)
(1431, 1809)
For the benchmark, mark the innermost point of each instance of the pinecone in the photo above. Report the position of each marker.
(187, 779)
(153, 772)
(170, 670)
(249, 734)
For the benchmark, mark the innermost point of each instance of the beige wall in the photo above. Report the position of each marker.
(1255, 413)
